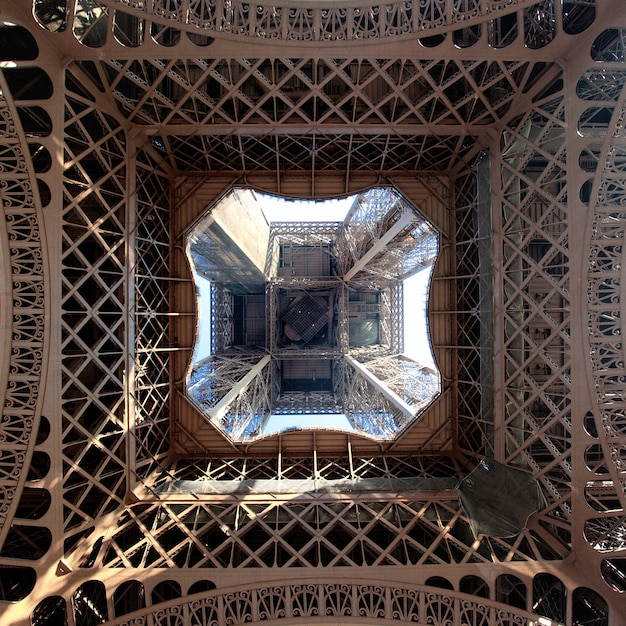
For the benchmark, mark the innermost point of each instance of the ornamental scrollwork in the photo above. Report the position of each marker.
(424, 605)
(271, 603)
(21, 236)
(238, 608)
(371, 601)
(204, 612)
(338, 600)
(172, 616)
(321, 23)
(440, 610)
(405, 605)
(305, 600)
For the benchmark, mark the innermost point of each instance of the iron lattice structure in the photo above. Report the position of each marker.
(120, 123)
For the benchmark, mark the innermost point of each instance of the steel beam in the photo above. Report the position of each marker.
(406, 219)
(220, 409)
(380, 386)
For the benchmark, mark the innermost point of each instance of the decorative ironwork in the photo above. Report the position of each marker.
(149, 120)
(293, 22)
(23, 310)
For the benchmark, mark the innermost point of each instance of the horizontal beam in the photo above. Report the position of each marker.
(339, 128)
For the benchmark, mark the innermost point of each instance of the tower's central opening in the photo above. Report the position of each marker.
(304, 308)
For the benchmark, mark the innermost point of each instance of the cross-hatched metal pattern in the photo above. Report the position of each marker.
(386, 230)
(535, 326)
(474, 433)
(211, 381)
(306, 317)
(365, 406)
(94, 324)
(365, 531)
(151, 361)
(550, 401)
(258, 92)
(414, 383)
(306, 403)
(319, 151)
(357, 94)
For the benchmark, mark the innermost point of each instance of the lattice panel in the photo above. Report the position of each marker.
(304, 535)
(210, 382)
(260, 92)
(426, 94)
(535, 284)
(94, 308)
(473, 433)
(306, 467)
(152, 334)
(416, 385)
(365, 407)
(317, 152)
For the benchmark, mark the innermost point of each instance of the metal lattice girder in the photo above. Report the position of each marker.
(605, 153)
(86, 235)
(234, 525)
(406, 409)
(310, 402)
(415, 383)
(367, 407)
(383, 234)
(305, 233)
(221, 318)
(284, 81)
(536, 296)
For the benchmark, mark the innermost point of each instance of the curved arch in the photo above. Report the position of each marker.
(292, 21)
(23, 260)
(308, 602)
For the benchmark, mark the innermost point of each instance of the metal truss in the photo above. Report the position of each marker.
(603, 153)
(97, 334)
(384, 236)
(222, 315)
(235, 392)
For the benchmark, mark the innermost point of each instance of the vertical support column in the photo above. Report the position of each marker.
(486, 262)
(129, 297)
(499, 300)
